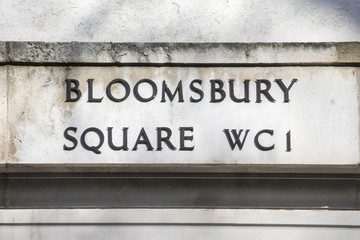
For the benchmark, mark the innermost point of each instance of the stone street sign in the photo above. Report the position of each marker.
(193, 113)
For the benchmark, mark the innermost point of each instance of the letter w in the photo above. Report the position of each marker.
(236, 137)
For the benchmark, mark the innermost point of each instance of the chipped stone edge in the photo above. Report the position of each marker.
(67, 53)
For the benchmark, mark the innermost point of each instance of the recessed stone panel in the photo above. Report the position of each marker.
(271, 115)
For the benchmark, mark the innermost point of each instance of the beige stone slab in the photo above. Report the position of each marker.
(322, 116)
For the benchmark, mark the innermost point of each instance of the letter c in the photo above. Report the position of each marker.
(256, 140)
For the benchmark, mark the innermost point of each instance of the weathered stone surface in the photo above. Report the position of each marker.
(322, 116)
(348, 52)
(177, 53)
(3, 115)
(3, 52)
(180, 21)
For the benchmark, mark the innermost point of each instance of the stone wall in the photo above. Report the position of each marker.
(180, 21)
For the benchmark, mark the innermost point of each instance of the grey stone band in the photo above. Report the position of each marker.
(344, 53)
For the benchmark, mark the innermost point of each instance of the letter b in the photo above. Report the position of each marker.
(217, 87)
(74, 89)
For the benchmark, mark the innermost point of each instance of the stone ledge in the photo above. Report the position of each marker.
(166, 216)
(179, 53)
(183, 168)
